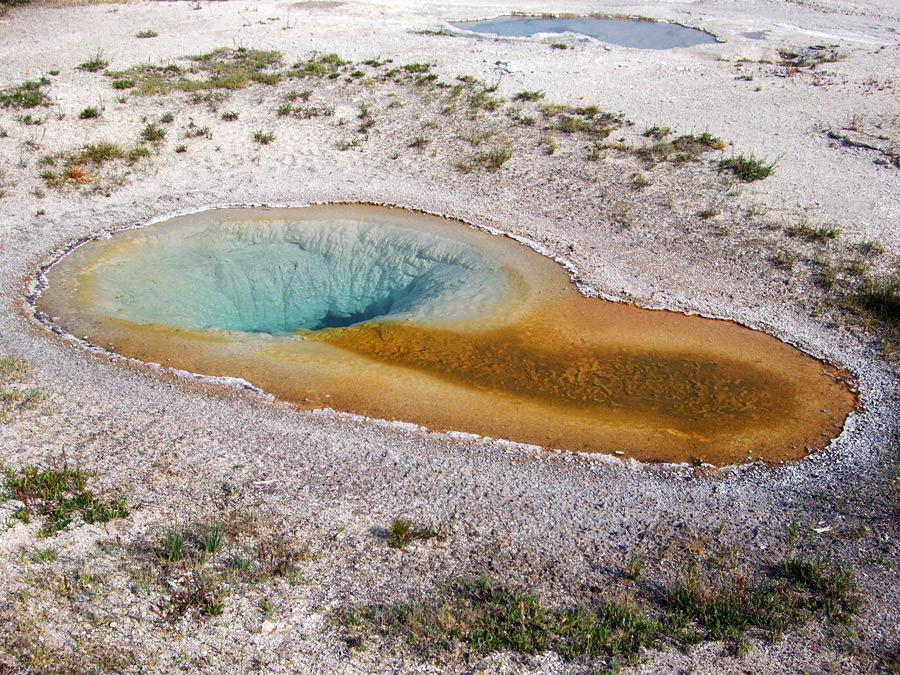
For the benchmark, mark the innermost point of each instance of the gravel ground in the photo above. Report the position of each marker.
(319, 489)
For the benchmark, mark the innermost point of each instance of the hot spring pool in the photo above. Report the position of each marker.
(399, 315)
(633, 33)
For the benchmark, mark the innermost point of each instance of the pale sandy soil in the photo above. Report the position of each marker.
(185, 452)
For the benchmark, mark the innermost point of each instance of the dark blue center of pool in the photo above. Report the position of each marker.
(639, 34)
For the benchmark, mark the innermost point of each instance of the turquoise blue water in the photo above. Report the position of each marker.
(268, 275)
(622, 32)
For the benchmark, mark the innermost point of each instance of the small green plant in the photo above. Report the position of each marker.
(172, 545)
(402, 532)
(295, 95)
(326, 65)
(56, 495)
(870, 248)
(419, 142)
(881, 297)
(859, 266)
(285, 109)
(804, 230)
(42, 555)
(722, 229)
(639, 180)
(635, 566)
(167, 118)
(748, 168)
(212, 537)
(347, 143)
(239, 563)
(308, 112)
(193, 131)
(95, 64)
(100, 152)
(29, 120)
(181, 148)
(515, 114)
(149, 33)
(203, 593)
(656, 132)
(830, 589)
(229, 116)
(417, 68)
(432, 31)
(263, 137)
(136, 154)
(482, 100)
(376, 63)
(784, 259)
(708, 212)
(494, 158)
(559, 45)
(89, 113)
(529, 96)
(151, 133)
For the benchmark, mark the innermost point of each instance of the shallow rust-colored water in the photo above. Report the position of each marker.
(509, 349)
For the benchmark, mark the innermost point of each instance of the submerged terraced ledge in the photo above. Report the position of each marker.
(399, 315)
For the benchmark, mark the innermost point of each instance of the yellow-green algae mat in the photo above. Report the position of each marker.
(399, 315)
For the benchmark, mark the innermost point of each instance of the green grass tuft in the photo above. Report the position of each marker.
(529, 96)
(263, 137)
(881, 297)
(402, 532)
(94, 65)
(152, 133)
(823, 233)
(748, 168)
(89, 113)
(326, 65)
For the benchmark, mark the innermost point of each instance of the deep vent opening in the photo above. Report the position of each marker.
(334, 319)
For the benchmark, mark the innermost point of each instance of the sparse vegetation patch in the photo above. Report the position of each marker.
(15, 396)
(29, 94)
(489, 616)
(56, 495)
(748, 168)
(403, 532)
(95, 64)
(191, 570)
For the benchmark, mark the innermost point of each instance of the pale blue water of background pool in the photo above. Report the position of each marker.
(633, 33)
